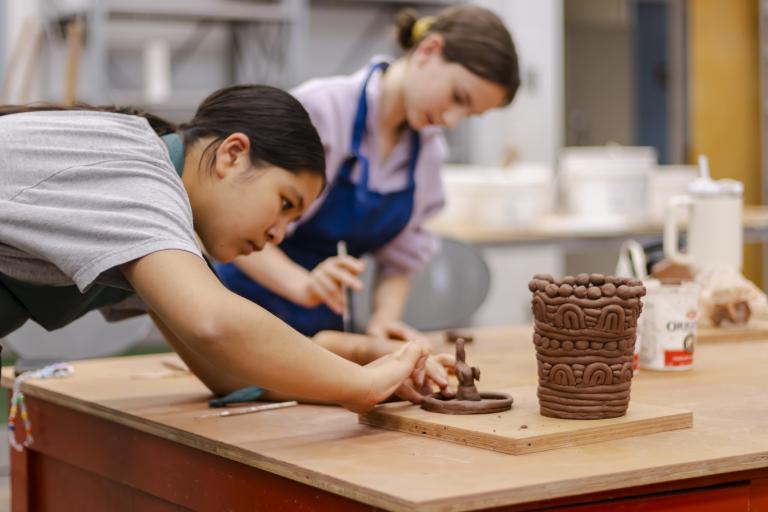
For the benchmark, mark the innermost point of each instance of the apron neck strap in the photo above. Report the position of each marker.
(361, 116)
(358, 131)
(414, 158)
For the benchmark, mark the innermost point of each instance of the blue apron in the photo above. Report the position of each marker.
(365, 219)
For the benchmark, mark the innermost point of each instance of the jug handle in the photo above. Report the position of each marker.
(671, 232)
(632, 260)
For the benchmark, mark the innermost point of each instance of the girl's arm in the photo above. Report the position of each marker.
(201, 368)
(229, 341)
(360, 348)
(364, 349)
(273, 269)
(389, 298)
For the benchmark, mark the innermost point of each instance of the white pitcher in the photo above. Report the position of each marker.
(715, 232)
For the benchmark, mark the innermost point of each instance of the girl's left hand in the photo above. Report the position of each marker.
(396, 330)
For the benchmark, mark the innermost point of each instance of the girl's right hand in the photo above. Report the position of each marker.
(421, 382)
(325, 281)
(386, 374)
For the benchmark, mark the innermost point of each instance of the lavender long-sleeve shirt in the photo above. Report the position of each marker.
(332, 103)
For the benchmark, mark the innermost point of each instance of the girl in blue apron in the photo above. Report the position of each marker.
(114, 209)
(381, 130)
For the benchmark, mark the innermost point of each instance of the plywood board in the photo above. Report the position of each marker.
(522, 429)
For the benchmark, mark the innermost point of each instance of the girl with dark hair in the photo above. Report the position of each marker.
(382, 133)
(113, 209)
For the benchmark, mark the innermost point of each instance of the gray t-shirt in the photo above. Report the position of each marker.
(83, 192)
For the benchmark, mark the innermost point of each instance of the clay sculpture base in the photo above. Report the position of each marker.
(490, 402)
(467, 400)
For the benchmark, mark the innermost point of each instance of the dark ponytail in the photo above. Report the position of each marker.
(278, 126)
(474, 37)
(404, 22)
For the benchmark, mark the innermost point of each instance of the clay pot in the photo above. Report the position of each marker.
(584, 334)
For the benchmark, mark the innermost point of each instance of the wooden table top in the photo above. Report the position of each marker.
(560, 227)
(324, 446)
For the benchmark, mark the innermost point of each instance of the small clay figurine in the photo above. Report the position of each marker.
(467, 400)
(466, 374)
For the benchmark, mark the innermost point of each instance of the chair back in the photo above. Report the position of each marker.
(444, 294)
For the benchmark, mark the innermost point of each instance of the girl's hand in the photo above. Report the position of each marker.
(386, 374)
(325, 281)
(447, 361)
(435, 371)
(396, 330)
(421, 382)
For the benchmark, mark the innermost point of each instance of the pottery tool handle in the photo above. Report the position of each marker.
(346, 317)
(249, 409)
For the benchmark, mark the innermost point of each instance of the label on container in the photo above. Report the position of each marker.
(669, 326)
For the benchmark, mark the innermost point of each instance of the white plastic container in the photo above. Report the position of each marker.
(668, 328)
(665, 182)
(497, 197)
(609, 180)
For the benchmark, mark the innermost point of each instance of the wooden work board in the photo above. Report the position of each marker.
(522, 429)
(756, 329)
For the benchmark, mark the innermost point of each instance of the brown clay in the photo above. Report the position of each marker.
(584, 337)
(736, 312)
(467, 400)
(670, 272)
(452, 335)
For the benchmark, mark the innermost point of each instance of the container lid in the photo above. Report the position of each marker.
(704, 186)
(611, 161)
(707, 187)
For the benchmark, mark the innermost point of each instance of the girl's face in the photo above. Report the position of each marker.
(245, 207)
(438, 92)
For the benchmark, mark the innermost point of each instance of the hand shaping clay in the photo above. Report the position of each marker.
(467, 400)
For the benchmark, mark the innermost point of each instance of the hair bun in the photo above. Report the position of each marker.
(404, 22)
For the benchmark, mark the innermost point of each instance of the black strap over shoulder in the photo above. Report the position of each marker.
(12, 313)
(52, 307)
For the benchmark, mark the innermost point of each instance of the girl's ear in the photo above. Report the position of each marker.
(232, 155)
(432, 44)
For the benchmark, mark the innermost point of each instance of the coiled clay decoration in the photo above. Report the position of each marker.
(584, 334)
